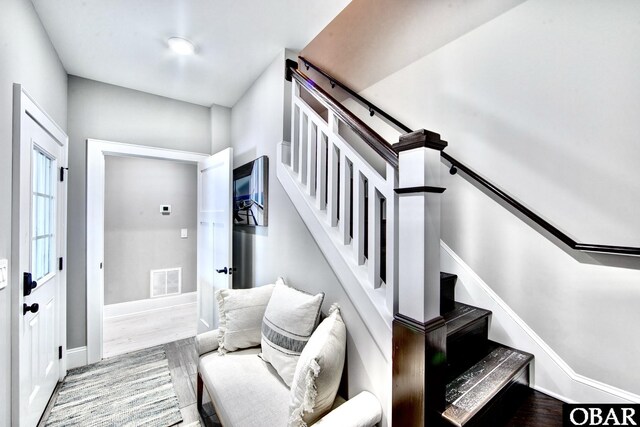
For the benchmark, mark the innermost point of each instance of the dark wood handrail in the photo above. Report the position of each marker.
(564, 238)
(494, 189)
(372, 107)
(371, 137)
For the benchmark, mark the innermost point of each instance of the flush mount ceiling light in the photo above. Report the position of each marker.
(181, 46)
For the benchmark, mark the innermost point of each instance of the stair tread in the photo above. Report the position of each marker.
(468, 393)
(462, 315)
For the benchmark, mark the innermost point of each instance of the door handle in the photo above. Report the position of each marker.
(28, 284)
(232, 269)
(222, 270)
(30, 308)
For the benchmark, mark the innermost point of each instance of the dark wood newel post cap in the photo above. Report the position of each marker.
(288, 65)
(420, 138)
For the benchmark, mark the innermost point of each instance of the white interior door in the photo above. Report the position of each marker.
(215, 228)
(38, 244)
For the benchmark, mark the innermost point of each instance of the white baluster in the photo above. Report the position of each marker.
(295, 95)
(295, 136)
(345, 199)
(375, 222)
(332, 170)
(311, 157)
(332, 190)
(321, 173)
(332, 121)
(358, 216)
(302, 160)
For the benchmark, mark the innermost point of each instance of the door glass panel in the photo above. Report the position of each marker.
(42, 237)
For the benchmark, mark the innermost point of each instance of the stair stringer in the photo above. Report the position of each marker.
(370, 303)
(550, 374)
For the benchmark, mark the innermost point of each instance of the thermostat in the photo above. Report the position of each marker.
(165, 209)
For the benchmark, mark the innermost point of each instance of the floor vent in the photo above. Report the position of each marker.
(165, 282)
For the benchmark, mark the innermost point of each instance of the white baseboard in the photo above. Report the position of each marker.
(550, 374)
(151, 304)
(76, 357)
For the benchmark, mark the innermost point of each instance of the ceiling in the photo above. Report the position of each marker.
(369, 32)
(123, 42)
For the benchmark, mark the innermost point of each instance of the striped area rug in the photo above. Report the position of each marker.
(134, 389)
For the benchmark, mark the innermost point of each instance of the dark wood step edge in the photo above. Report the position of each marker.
(503, 384)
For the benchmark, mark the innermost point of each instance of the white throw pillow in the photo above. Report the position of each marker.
(288, 322)
(317, 377)
(241, 312)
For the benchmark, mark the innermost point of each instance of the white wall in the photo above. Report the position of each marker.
(220, 128)
(102, 111)
(138, 237)
(26, 57)
(285, 248)
(544, 101)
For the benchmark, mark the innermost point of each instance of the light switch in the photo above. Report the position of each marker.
(4, 273)
(184, 233)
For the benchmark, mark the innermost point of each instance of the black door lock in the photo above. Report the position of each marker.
(226, 270)
(28, 284)
(30, 308)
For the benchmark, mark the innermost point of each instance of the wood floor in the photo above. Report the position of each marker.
(133, 332)
(536, 410)
(183, 365)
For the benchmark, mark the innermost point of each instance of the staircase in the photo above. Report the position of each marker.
(483, 377)
(346, 205)
(352, 210)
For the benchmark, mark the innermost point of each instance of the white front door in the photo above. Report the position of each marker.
(215, 228)
(38, 244)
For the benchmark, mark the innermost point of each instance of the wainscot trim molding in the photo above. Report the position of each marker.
(550, 374)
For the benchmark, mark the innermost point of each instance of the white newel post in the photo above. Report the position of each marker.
(419, 331)
(419, 200)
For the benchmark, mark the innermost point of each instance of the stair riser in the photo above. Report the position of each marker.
(447, 292)
(467, 346)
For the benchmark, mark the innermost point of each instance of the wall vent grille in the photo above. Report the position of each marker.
(164, 282)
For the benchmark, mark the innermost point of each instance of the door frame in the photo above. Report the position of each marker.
(24, 105)
(96, 152)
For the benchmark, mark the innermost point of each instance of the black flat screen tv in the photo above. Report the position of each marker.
(251, 193)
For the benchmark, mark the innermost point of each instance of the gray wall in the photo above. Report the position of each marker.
(26, 57)
(138, 238)
(543, 100)
(102, 111)
(286, 248)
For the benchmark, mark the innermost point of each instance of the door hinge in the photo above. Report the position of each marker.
(62, 169)
(60, 263)
(59, 352)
